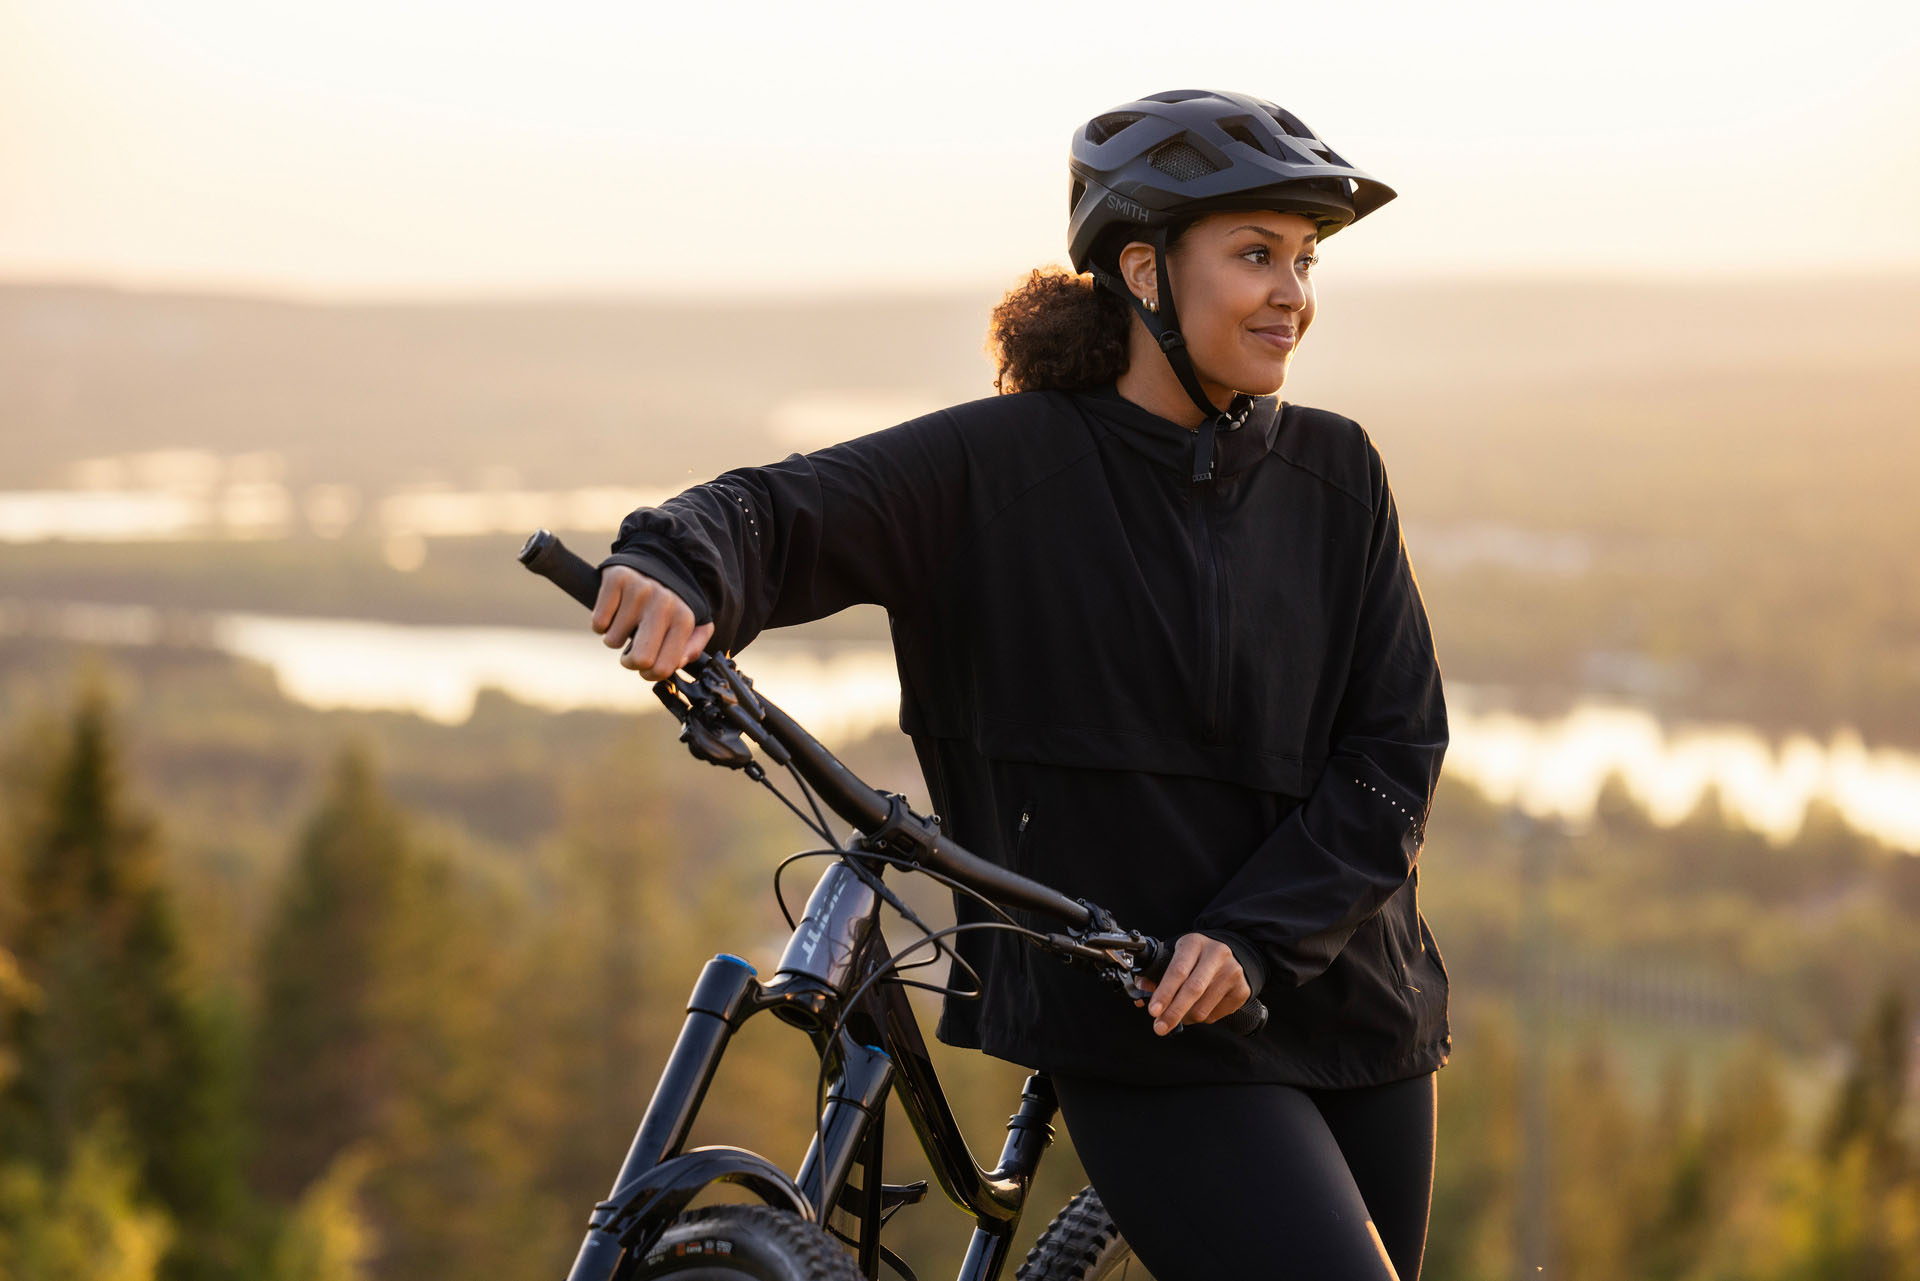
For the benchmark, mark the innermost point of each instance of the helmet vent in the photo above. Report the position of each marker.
(1181, 161)
(1101, 128)
(1290, 123)
(1240, 133)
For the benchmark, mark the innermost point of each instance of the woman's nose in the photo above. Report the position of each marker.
(1289, 291)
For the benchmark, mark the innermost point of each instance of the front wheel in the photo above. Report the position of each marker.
(1082, 1244)
(727, 1242)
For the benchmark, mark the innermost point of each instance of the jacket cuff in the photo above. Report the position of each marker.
(669, 572)
(1252, 964)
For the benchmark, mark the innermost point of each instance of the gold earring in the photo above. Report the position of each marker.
(1153, 304)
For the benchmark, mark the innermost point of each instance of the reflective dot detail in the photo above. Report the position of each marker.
(753, 524)
(1383, 796)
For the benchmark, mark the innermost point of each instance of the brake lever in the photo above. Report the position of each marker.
(730, 696)
(702, 713)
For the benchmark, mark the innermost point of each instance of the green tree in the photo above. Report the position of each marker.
(89, 1223)
(111, 1030)
(1477, 1158)
(1867, 1222)
(324, 1060)
(327, 1238)
(381, 1033)
(1868, 1108)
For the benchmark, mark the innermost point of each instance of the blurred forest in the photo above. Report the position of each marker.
(299, 994)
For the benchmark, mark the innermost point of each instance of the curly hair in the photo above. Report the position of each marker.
(1058, 331)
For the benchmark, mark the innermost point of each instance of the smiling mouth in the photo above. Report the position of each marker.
(1281, 338)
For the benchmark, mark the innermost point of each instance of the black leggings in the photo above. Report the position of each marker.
(1273, 1181)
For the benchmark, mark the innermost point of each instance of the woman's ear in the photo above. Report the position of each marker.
(1137, 270)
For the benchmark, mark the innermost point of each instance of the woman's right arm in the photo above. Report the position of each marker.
(868, 521)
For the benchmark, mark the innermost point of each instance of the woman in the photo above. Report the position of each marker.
(1159, 646)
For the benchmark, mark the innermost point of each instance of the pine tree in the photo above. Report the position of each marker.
(90, 1223)
(381, 1042)
(324, 1069)
(1869, 1224)
(112, 1032)
(1874, 1093)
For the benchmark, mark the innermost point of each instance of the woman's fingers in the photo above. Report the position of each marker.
(698, 646)
(1179, 986)
(654, 625)
(615, 604)
(626, 614)
(1202, 983)
(1227, 993)
(608, 601)
(673, 645)
(647, 634)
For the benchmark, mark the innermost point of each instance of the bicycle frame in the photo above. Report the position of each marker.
(833, 951)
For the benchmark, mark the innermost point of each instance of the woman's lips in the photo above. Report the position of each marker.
(1281, 338)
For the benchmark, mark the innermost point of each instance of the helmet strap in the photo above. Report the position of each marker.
(1164, 325)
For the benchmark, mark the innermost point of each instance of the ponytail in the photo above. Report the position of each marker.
(1056, 331)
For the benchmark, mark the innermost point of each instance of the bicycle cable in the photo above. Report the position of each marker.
(821, 828)
(881, 971)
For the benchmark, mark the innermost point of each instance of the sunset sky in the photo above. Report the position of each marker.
(425, 148)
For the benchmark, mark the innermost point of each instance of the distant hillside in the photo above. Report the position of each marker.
(1697, 495)
(1553, 402)
(562, 393)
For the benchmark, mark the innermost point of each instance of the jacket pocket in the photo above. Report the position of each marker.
(1403, 945)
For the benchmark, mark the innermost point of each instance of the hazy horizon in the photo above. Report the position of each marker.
(732, 295)
(434, 150)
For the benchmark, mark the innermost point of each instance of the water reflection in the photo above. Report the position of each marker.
(439, 671)
(1558, 767)
(1548, 766)
(177, 494)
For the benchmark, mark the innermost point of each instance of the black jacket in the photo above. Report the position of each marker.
(1210, 706)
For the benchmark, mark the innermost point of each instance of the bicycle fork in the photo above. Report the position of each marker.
(657, 1180)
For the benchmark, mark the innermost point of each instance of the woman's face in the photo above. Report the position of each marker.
(1244, 294)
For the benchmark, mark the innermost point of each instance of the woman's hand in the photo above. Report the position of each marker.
(644, 611)
(1201, 984)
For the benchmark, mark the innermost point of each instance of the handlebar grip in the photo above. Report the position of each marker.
(546, 555)
(1248, 1019)
(1245, 1021)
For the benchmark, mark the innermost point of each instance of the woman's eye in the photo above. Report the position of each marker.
(1259, 254)
(1310, 262)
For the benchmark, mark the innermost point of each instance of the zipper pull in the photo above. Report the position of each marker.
(1023, 820)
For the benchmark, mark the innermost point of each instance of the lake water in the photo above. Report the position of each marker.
(1553, 766)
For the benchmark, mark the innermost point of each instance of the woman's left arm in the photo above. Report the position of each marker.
(1353, 842)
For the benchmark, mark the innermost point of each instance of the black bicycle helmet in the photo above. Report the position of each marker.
(1142, 166)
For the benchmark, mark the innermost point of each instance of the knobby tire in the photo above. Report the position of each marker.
(728, 1242)
(1082, 1244)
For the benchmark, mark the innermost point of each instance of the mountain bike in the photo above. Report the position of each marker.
(838, 982)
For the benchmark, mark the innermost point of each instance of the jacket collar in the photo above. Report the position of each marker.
(1171, 445)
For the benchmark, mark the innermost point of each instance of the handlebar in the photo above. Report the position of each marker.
(883, 817)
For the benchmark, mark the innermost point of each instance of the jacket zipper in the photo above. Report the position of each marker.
(1213, 632)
